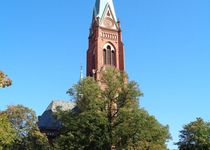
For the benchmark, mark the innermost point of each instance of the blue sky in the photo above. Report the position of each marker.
(167, 51)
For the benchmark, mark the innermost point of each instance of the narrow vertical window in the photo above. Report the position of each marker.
(108, 55)
(104, 56)
(94, 62)
(113, 58)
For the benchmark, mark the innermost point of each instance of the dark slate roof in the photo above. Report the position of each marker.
(47, 121)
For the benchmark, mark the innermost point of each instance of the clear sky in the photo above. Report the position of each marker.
(167, 50)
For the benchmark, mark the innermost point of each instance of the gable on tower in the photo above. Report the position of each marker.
(100, 7)
(107, 19)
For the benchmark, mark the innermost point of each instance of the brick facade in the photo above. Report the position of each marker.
(102, 35)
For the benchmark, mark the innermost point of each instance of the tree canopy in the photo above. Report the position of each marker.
(26, 132)
(7, 133)
(195, 136)
(108, 117)
(4, 80)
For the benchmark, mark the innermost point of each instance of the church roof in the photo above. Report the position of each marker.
(100, 7)
(63, 105)
(47, 121)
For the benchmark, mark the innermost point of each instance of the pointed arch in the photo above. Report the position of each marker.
(109, 54)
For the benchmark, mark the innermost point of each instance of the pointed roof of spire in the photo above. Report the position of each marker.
(100, 7)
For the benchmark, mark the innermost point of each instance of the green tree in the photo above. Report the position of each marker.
(108, 117)
(7, 133)
(27, 134)
(36, 140)
(4, 80)
(195, 136)
(85, 128)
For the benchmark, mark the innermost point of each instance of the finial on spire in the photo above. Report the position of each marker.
(81, 72)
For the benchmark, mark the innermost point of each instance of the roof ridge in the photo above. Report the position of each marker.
(65, 105)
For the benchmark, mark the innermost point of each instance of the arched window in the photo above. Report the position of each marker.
(113, 58)
(104, 56)
(109, 55)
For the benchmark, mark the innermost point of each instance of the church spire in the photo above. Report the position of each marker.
(100, 7)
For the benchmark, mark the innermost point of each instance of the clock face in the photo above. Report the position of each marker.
(108, 22)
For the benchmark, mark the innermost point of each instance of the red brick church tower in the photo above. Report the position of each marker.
(105, 40)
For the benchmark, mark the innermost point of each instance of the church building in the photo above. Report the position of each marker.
(105, 49)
